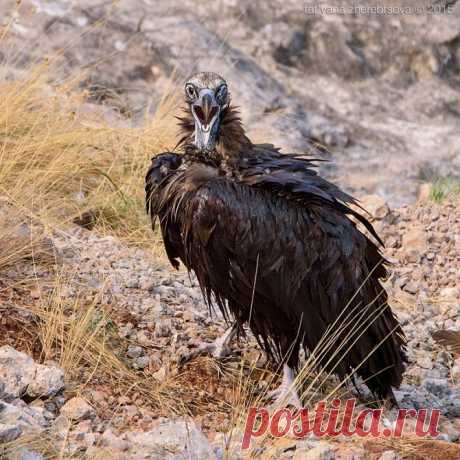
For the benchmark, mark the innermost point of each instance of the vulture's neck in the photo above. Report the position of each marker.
(232, 142)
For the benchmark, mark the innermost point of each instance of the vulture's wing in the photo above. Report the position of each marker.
(163, 168)
(295, 177)
(291, 270)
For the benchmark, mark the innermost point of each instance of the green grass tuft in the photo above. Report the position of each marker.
(443, 188)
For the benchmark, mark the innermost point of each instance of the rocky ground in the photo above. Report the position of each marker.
(157, 315)
(379, 93)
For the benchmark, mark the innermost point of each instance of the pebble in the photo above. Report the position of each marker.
(134, 351)
(141, 362)
(9, 433)
(163, 327)
(323, 451)
(77, 409)
(390, 455)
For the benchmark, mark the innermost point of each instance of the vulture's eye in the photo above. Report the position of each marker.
(221, 94)
(190, 91)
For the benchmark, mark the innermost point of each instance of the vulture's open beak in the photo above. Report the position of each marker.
(206, 112)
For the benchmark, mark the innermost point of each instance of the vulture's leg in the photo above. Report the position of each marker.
(286, 393)
(218, 349)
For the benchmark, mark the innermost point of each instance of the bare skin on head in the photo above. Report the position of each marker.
(211, 126)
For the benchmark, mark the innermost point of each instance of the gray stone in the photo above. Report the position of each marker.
(438, 387)
(47, 382)
(178, 439)
(19, 375)
(110, 439)
(163, 327)
(26, 417)
(9, 433)
(25, 454)
(142, 362)
(132, 283)
(17, 372)
(134, 351)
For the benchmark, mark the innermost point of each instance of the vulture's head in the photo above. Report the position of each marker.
(207, 95)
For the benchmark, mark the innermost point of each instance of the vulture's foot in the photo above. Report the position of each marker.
(286, 394)
(218, 349)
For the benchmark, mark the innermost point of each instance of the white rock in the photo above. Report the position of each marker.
(25, 454)
(23, 416)
(81, 21)
(19, 375)
(455, 371)
(450, 293)
(119, 45)
(48, 381)
(390, 455)
(179, 437)
(17, 371)
(110, 439)
(61, 426)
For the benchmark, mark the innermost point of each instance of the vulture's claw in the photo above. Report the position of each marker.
(286, 394)
(218, 349)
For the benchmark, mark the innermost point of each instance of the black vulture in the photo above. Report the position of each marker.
(274, 245)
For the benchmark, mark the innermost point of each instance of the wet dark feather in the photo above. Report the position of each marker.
(248, 219)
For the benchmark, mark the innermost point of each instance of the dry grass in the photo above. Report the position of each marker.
(59, 157)
(41, 442)
(411, 448)
(80, 335)
(445, 188)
